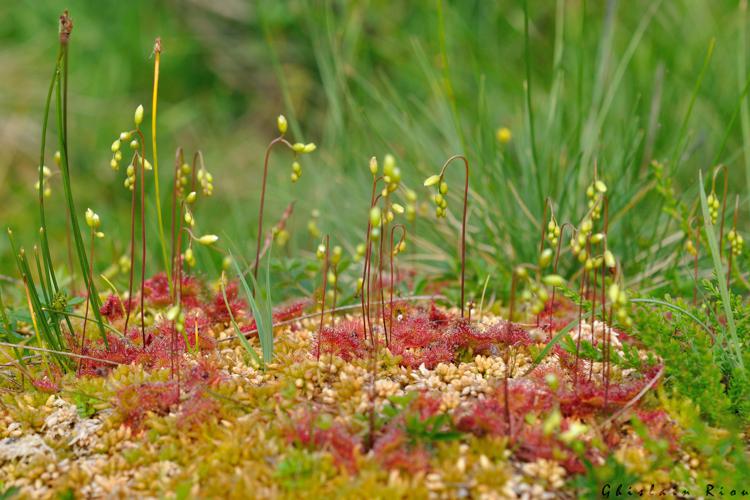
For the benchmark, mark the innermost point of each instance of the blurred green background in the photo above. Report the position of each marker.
(610, 82)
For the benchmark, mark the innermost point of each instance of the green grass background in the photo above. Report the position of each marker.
(616, 83)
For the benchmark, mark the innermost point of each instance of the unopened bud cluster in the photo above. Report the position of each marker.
(553, 232)
(735, 242)
(93, 221)
(298, 148)
(619, 301)
(45, 187)
(595, 194)
(713, 207)
(206, 181)
(440, 197)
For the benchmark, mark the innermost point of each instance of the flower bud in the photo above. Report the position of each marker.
(336, 255)
(298, 147)
(281, 124)
(309, 148)
(134, 144)
(596, 238)
(191, 197)
(208, 239)
(375, 216)
(125, 136)
(554, 280)
(443, 187)
(92, 219)
(116, 146)
(374, 166)
(58, 158)
(609, 259)
(545, 258)
(432, 180)
(397, 208)
(396, 175)
(600, 186)
(138, 115)
(389, 164)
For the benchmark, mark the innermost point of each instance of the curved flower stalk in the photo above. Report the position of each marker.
(736, 242)
(441, 207)
(714, 203)
(298, 148)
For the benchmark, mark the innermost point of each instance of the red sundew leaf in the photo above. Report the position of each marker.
(392, 450)
(438, 316)
(45, 384)
(217, 309)
(427, 405)
(533, 444)
(344, 340)
(291, 310)
(133, 402)
(660, 425)
(156, 291)
(206, 373)
(196, 410)
(336, 439)
(113, 308)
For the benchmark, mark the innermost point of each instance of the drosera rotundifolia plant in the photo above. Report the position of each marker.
(360, 379)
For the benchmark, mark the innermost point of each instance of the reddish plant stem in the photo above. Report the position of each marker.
(143, 237)
(557, 251)
(463, 220)
(132, 251)
(381, 306)
(323, 298)
(607, 359)
(178, 161)
(365, 271)
(390, 302)
(279, 139)
(547, 206)
(584, 281)
(607, 331)
(335, 294)
(506, 375)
